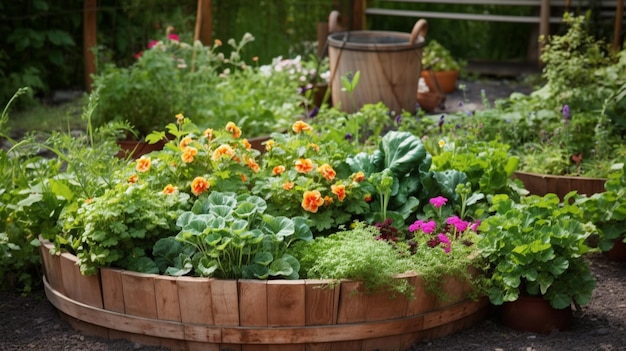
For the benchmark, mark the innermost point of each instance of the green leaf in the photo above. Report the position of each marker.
(281, 227)
(280, 267)
(263, 258)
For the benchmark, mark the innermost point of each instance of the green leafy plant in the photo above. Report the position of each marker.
(230, 236)
(437, 58)
(607, 210)
(537, 247)
(400, 169)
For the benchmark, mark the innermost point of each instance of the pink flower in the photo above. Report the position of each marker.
(458, 223)
(447, 244)
(475, 226)
(173, 37)
(417, 225)
(438, 201)
(426, 227)
(152, 43)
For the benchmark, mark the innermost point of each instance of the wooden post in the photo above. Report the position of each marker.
(619, 14)
(544, 26)
(358, 14)
(90, 10)
(204, 23)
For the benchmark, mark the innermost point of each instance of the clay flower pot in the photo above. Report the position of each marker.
(447, 80)
(535, 314)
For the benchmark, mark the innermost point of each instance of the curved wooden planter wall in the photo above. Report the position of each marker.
(186, 313)
(541, 184)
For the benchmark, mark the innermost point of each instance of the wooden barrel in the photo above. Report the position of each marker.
(389, 64)
(192, 313)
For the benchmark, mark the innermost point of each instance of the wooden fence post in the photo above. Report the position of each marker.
(90, 11)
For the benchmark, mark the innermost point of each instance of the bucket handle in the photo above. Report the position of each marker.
(420, 27)
(333, 22)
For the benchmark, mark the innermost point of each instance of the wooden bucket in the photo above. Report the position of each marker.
(389, 64)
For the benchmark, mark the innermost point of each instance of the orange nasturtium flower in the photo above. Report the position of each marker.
(304, 165)
(133, 179)
(312, 200)
(188, 154)
(199, 185)
(180, 118)
(339, 190)
(300, 126)
(231, 127)
(223, 150)
(315, 147)
(367, 198)
(269, 145)
(253, 165)
(327, 171)
(169, 189)
(143, 164)
(185, 142)
(328, 200)
(358, 177)
(247, 144)
(243, 177)
(208, 133)
(288, 185)
(217, 42)
(278, 170)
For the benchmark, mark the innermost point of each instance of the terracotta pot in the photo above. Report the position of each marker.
(541, 184)
(447, 80)
(618, 251)
(430, 101)
(535, 314)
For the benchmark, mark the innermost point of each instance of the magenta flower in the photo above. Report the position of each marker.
(447, 244)
(429, 227)
(458, 223)
(417, 225)
(438, 201)
(475, 226)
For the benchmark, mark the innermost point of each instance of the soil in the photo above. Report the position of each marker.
(32, 323)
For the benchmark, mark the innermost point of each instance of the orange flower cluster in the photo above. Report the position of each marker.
(301, 126)
(223, 151)
(231, 127)
(339, 190)
(188, 154)
(304, 165)
(312, 200)
(199, 185)
(169, 189)
(143, 164)
(278, 170)
(327, 171)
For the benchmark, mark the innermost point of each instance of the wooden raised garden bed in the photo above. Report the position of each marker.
(541, 184)
(187, 313)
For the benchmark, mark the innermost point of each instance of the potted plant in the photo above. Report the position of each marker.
(535, 251)
(437, 60)
(607, 210)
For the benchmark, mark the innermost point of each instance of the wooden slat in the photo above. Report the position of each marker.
(224, 298)
(166, 296)
(352, 303)
(139, 294)
(112, 289)
(476, 2)
(51, 264)
(459, 16)
(321, 302)
(194, 297)
(85, 289)
(253, 303)
(286, 301)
